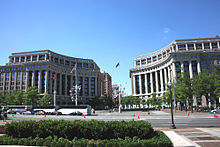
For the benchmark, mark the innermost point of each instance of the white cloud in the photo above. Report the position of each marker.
(166, 30)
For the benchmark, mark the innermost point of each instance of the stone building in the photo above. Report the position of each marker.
(49, 72)
(152, 72)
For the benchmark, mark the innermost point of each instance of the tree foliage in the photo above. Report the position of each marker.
(31, 96)
(45, 100)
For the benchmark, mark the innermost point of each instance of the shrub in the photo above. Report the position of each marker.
(81, 129)
(158, 140)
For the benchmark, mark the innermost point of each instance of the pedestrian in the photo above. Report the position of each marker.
(5, 116)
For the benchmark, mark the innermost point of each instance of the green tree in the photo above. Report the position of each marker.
(9, 98)
(45, 100)
(31, 96)
(18, 97)
(2, 99)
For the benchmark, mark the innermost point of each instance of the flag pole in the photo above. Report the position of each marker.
(76, 88)
(119, 97)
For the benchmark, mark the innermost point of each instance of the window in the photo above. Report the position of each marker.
(56, 60)
(214, 45)
(159, 56)
(67, 62)
(148, 60)
(61, 61)
(28, 58)
(34, 58)
(143, 61)
(16, 59)
(190, 46)
(206, 45)
(138, 62)
(199, 46)
(181, 46)
(41, 57)
(85, 65)
(154, 58)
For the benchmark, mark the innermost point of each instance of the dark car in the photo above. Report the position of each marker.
(56, 113)
(76, 113)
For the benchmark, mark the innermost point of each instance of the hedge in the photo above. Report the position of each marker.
(159, 140)
(81, 129)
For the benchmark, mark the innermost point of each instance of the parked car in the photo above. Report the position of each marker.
(76, 113)
(216, 110)
(27, 112)
(56, 113)
(39, 112)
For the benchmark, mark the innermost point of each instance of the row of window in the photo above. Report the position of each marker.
(53, 59)
(152, 59)
(207, 45)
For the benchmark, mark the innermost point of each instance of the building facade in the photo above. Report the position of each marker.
(49, 72)
(106, 85)
(152, 72)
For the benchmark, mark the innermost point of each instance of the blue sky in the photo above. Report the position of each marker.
(107, 31)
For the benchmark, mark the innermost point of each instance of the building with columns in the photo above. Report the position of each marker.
(152, 72)
(49, 72)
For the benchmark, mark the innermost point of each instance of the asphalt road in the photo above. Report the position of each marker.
(158, 119)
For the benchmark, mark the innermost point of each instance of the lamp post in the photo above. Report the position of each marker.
(171, 103)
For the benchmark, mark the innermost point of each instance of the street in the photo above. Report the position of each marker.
(158, 119)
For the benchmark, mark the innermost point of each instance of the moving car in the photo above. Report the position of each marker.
(76, 113)
(39, 112)
(28, 113)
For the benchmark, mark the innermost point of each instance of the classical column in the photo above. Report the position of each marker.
(198, 67)
(45, 57)
(190, 70)
(161, 80)
(182, 67)
(151, 82)
(9, 83)
(96, 86)
(173, 71)
(83, 87)
(37, 57)
(140, 84)
(4, 82)
(89, 87)
(46, 82)
(186, 47)
(21, 79)
(203, 48)
(168, 71)
(15, 83)
(165, 76)
(146, 85)
(218, 44)
(157, 83)
(134, 84)
(51, 83)
(210, 45)
(177, 49)
(61, 85)
(39, 81)
(194, 46)
(65, 91)
(27, 80)
(33, 79)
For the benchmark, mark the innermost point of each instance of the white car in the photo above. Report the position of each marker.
(215, 111)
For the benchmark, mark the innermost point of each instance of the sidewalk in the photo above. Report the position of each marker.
(193, 137)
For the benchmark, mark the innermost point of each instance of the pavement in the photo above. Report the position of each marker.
(181, 137)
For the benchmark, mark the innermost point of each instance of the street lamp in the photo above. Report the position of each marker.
(171, 103)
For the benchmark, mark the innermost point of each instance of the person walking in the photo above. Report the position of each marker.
(5, 116)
